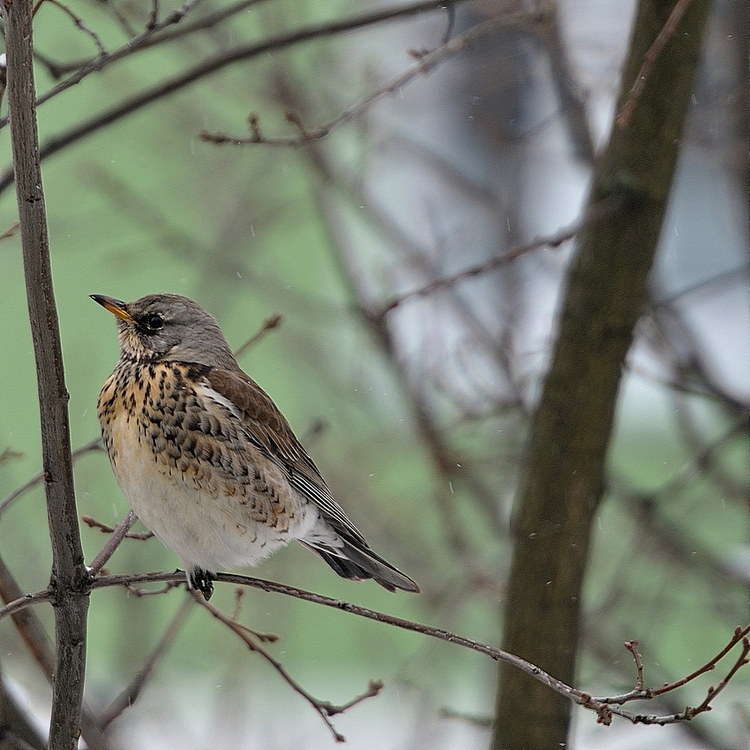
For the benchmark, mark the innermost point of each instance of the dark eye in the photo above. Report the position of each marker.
(155, 322)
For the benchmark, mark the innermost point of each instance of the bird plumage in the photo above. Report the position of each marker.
(207, 460)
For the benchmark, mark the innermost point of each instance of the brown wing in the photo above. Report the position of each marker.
(266, 427)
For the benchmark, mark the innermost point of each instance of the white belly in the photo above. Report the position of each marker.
(206, 526)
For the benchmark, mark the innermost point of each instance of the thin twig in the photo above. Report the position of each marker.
(740, 634)
(139, 593)
(112, 544)
(78, 21)
(427, 62)
(597, 212)
(90, 447)
(649, 59)
(205, 68)
(320, 707)
(269, 324)
(632, 646)
(27, 600)
(105, 529)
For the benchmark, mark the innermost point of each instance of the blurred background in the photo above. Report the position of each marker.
(417, 418)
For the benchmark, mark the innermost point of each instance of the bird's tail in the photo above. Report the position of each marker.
(357, 563)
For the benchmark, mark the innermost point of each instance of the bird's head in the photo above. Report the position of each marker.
(169, 327)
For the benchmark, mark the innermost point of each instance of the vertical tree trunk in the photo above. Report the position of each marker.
(606, 291)
(69, 577)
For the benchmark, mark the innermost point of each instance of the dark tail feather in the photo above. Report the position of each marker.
(357, 564)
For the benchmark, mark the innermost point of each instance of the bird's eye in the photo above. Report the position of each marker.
(155, 322)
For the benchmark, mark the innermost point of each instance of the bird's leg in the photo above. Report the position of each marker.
(203, 581)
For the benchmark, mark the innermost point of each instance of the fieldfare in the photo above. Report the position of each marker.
(205, 458)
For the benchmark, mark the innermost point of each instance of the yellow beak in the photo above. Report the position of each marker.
(115, 306)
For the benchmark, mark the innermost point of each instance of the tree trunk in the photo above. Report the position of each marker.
(606, 292)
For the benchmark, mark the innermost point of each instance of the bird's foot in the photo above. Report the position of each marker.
(203, 581)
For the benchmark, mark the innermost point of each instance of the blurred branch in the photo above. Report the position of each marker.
(130, 695)
(598, 211)
(14, 226)
(700, 462)
(269, 324)
(8, 455)
(483, 722)
(69, 577)
(440, 452)
(203, 69)
(94, 445)
(17, 732)
(35, 637)
(571, 98)
(426, 64)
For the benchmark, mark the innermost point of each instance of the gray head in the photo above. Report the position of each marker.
(168, 327)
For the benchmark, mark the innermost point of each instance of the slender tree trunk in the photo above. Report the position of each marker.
(69, 579)
(606, 292)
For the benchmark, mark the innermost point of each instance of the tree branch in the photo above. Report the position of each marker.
(35, 636)
(94, 445)
(595, 213)
(69, 577)
(604, 707)
(130, 695)
(426, 64)
(210, 66)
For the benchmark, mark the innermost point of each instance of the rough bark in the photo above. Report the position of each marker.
(69, 579)
(605, 295)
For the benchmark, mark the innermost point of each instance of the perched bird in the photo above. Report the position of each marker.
(205, 458)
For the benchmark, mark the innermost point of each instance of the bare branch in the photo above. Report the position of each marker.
(105, 529)
(649, 59)
(203, 69)
(601, 210)
(427, 62)
(242, 632)
(113, 543)
(605, 707)
(90, 447)
(269, 324)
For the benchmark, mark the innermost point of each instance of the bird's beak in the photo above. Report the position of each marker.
(115, 306)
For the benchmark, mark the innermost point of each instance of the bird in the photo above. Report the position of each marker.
(206, 459)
